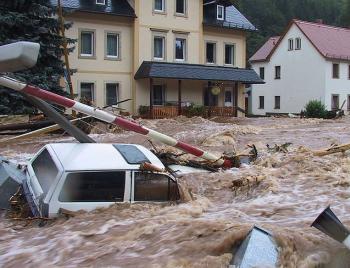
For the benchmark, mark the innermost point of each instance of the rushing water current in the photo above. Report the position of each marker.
(293, 189)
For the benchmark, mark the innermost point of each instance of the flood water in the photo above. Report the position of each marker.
(294, 188)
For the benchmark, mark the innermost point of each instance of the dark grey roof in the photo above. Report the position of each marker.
(112, 7)
(233, 19)
(221, 2)
(150, 69)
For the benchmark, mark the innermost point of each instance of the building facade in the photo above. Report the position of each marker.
(311, 61)
(161, 55)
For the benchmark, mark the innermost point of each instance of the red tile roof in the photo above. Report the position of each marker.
(330, 41)
(265, 50)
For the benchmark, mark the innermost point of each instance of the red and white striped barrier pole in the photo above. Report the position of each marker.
(110, 118)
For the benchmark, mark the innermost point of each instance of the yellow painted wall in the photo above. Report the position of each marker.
(97, 69)
(136, 47)
(229, 36)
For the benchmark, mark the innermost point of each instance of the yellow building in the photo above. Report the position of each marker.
(164, 55)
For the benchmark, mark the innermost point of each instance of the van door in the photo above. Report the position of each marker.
(88, 190)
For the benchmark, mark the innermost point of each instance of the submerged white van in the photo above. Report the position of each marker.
(88, 176)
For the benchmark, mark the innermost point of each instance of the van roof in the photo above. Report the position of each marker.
(101, 156)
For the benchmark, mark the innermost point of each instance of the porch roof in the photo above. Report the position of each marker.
(184, 71)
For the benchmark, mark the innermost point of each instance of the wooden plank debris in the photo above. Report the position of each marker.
(333, 150)
(37, 133)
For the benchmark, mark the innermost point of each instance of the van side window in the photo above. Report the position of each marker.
(45, 170)
(154, 187)
(93, 187)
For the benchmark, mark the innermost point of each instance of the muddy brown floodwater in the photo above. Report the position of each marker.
(295, 187)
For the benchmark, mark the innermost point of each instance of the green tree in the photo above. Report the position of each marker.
(32, 20)
(345, 18)
(271, 17)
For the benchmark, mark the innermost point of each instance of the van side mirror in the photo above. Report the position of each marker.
(18, 56)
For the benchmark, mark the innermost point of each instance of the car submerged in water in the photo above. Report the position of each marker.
(78, 176)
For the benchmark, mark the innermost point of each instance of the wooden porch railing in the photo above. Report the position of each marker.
(220, 111)
(160, 112)
(164, 112)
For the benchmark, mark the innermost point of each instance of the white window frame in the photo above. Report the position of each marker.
(163, 47)
(298, 43)
(214, 52)
(93, 90)
(112, 57)
(290, 44)
(261, 101)
(101, 2)
(233, 54)
(184, 48)
(277, 107)
(279, 73)
(217, 12)
(159, 10)
(185, 8)
(117, 91)
(93, 49)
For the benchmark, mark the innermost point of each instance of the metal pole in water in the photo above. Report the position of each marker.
(112, 119)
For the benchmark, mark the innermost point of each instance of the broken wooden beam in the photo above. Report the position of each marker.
(333, 150)
(24, 126)
(37, 132)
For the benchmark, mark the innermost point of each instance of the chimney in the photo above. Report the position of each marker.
(319, 21)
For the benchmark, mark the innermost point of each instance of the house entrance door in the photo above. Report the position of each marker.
(209, 98)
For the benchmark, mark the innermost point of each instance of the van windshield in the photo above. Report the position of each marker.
(93, 187)
(45, 170)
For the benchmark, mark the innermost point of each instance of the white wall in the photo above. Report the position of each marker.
(339, 86)
(302, 77)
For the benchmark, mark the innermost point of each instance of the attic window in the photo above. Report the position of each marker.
(290, 44)
(100, 2)
(220, 12)
(298, 43)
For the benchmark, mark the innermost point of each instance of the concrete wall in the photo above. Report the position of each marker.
(97, 69)
(303, 77)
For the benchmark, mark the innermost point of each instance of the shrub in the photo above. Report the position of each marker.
(195, 110)
(143, 110)
(315, 109)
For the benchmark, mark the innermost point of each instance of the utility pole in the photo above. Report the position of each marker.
(65, 52)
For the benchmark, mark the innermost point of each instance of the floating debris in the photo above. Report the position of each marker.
(11, 177)
(328, 223)
(258, 249)
(283, 148)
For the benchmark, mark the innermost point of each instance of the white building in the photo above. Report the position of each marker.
(310, 61)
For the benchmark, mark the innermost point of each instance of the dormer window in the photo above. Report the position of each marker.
(100, 2)
(220, 12)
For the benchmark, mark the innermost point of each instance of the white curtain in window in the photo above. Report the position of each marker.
(180, 49)
(158, 47)
(86, 43)
(112, 45)
(158, 5)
